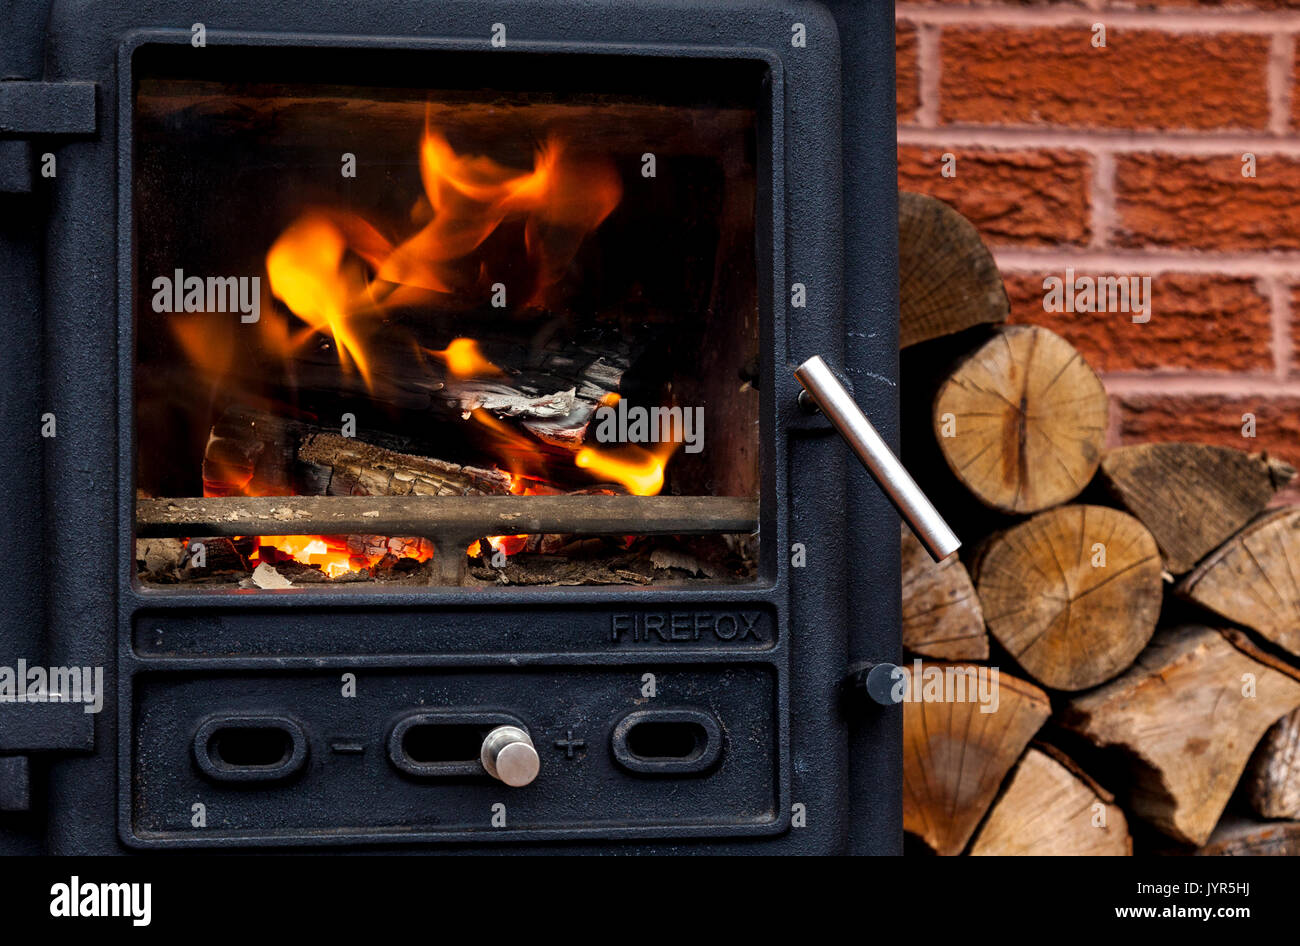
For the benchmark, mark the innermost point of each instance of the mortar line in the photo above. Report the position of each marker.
(1211, 142)
(1102, 199)
(1280, 81)
(1280, 312)
(1172, 21)
(1195, 384)
(929, 68)
(1033, 260)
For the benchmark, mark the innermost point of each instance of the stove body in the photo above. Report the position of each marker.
(748, 739)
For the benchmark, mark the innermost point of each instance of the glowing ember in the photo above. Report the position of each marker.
(505, 544)
(338, 555)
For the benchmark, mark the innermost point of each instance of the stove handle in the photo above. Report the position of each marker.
(823, 391)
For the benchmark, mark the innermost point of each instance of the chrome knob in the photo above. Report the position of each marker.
(826, 393)
(508, 754)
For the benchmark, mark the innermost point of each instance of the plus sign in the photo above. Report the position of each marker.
(569, 744)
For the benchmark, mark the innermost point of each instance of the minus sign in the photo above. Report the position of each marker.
(347, 748)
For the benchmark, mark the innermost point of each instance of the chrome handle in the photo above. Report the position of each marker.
(825, 391)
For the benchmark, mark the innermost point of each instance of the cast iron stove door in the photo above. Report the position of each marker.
(461, 491)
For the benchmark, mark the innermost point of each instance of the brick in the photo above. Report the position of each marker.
(1203, 202)
(908, 72)
(1142, 79)
(1014, 197)
(1121, 4)
(1198, 323)
(1214, 419)
(1208, 4)
(1293, 366)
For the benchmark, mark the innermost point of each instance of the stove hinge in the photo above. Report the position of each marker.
(38, 110)
(38, 725)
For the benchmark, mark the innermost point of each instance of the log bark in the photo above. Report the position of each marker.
(1188, 713)
(1191, 496)
(1073, 594)
(1254, 578)
(1272, 779)
(947, 278)
(1050, 807)
(941, 612)
(1240, 837)
(344, 466)
(1022, 420)
(955, 754)
(551, 391)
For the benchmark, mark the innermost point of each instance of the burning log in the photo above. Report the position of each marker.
(1191, 496)
(1073, 594)
(1188, 713)
(941, 612)
(1252, 578)
(344, 466)
(956, 753)
(554, 397)
(947, 277)
(550, 391)
(1022, 420)
(1051, 807)
(285, 456)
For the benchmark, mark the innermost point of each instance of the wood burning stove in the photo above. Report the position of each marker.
(420, 451)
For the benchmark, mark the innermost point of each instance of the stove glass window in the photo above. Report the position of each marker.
(507, 303)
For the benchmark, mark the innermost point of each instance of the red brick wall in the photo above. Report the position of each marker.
(1127, 160)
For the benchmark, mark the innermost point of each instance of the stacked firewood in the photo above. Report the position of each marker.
(1140, 604)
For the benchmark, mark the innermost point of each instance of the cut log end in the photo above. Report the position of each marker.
(1049, 808)
(941, 612)
(1191, 496)
(956, 751)
(948, 280)
(1253, 579)
(1022, 421)
(1188, 713)
(1073, 593)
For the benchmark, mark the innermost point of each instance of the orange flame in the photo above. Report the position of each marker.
(639, 470)
(464, 359)
(309, 270)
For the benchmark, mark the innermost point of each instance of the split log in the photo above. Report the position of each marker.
(1073, 594)
(1192, 496)
(1188, 713)
(956, 753)
(345, 466)
(1051, 807)
(1022, 420)
(941, 612)
(1254, 578)
(1240, 837)
(1272, 779)
(554, 398)
(947, 278)
(551, 390)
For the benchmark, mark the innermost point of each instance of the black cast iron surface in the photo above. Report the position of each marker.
(799, 768)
